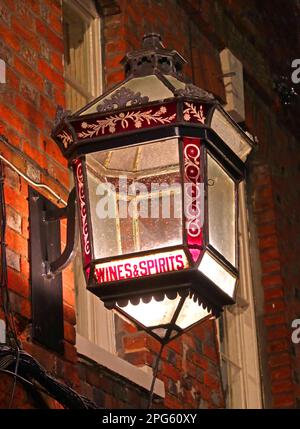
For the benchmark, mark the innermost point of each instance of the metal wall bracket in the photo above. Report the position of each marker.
(55, 215)
(47, 262)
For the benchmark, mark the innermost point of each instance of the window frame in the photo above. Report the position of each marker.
(86, 10)
(238, 344)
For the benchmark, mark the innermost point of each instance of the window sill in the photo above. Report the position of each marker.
(140, 376)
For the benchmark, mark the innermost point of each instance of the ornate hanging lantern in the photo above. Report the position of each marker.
(156, 163)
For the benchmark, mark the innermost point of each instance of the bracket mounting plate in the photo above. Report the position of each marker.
(46, 292)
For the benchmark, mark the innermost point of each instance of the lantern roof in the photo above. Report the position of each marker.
(152, 73)
(152, 97)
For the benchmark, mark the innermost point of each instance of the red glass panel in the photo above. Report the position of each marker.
(119, 122)
(193, 195)
(86, 245)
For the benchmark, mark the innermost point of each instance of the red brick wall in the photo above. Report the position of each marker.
(189, 366)
(273, 192)
(31, 44)
(276, 318)
(124, 32)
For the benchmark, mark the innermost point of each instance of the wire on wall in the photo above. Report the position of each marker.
(3, 281)
(155, 372)
(5, 300)
(33, 376)
(33, 183)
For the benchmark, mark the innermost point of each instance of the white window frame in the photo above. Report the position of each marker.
(87, 11)
(239, 349)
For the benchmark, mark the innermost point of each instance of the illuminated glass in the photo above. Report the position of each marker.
(191, 313)
(217, 274)
(154, 312)
(135, 198)
(221, 210)
(237, 141)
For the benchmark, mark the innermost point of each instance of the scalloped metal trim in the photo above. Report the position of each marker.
(170, 294)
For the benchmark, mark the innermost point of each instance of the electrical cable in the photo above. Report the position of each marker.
(155, 372)
(18, 376)
(9, 318)
(15, 379)
(28, 383)
(34, 376)
(3, 279)
(31, 161)
(32, 182)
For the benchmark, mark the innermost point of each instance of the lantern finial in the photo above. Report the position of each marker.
(152, 40)
(152, 58)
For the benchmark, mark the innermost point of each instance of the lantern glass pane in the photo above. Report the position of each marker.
(190, 313)
(212, 269)
(135, 198)
(221, 211)
(105, 228)
(153, 313)
(234, 138)
(178, 84)
(148, 86)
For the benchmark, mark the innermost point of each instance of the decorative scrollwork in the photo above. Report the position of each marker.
(82, 205)
(123, 97)
(66, 138)
(193, 91)
(60, 114)
(191, 110)
(192, 192)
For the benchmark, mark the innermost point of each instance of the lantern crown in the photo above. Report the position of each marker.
(152, 74)
(153, 78)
